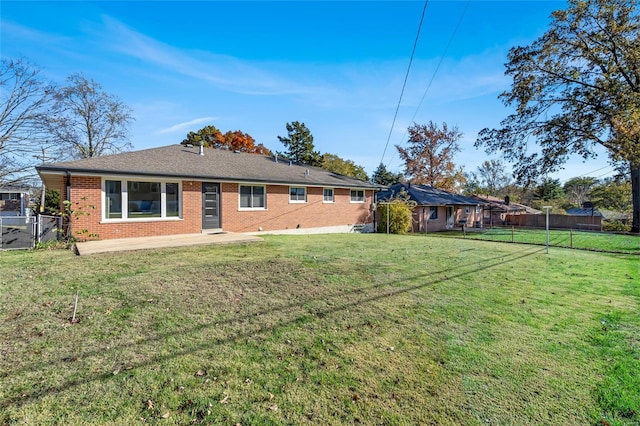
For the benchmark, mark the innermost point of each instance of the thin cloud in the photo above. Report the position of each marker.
(225, 72)
(186, 124)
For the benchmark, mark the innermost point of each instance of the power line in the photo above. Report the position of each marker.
(435, 72)
(415, 44)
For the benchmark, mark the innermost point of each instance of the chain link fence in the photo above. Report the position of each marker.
(22, 232)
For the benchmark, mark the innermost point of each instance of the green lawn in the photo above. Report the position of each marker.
(325, 329)
(583, 240)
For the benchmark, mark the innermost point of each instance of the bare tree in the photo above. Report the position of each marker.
(24, 98)
(87, 122)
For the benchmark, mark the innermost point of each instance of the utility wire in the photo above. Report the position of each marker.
(435, 72)
(415, 44)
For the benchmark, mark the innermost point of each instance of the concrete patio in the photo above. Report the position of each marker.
(144, 243)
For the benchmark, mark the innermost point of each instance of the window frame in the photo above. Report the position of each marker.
(297, 201)
(160, 184)
(356, 199)
(433, 213)
(324, 196)
(252, 207)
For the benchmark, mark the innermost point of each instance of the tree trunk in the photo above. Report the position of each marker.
(635, 190)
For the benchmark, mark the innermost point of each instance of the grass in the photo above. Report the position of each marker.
(584, 240)
(332, 329)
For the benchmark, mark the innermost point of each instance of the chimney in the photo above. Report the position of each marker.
(201, 148)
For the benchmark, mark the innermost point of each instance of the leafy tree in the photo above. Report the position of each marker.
(429, 158)
(24, 100)
(299, 145)
(612, 194)
(549, 189)
(87, 122)
(211, 137)
(382, 176)
(575, 88)
(397, 213)
(577, 189)
(335, 164)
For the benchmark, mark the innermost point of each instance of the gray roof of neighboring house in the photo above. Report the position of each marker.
(179, 161)
(500, 205)
(14, 189)
(426, 195)
(581, 211)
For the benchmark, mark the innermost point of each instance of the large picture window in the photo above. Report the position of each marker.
(252, 197)
(132, 199)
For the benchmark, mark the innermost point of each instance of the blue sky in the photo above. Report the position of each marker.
(337, 66)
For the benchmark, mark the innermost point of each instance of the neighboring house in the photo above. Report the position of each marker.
(14, 201)
(496, 209)
(436, 209)
(606, 215)
(180, 189)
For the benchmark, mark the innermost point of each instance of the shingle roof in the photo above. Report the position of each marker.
(179, 161)
(426, 195)
(581, 211)
(498, 204)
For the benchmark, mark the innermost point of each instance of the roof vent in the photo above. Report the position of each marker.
(306, 173)
(201, 148)
(275, 158)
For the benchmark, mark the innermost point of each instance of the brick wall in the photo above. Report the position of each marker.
(281, 214)
(86, 203)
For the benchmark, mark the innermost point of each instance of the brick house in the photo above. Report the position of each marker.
(179, 189)
(436, 209)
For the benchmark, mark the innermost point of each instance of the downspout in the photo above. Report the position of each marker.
(67, 208)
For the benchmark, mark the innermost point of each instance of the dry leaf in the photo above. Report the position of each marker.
(149, 404)
(274, 407)
(199, 373)
(224, 400)
(166, 415)
(270, 396)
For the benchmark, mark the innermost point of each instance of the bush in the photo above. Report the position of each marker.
(400, 211)
(615, 226)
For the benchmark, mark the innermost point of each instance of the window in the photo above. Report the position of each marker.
(143, 199)
(113, 198)
(433, 212)
(297, 194)
(173, 199)
(357, 196)
(129, 199)
(327, 195)
(467, 210)
(252, 197)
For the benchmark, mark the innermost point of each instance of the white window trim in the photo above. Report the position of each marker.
(298, 201)
(244, 209)
(125, 200)
(364, 196)
(333, 196)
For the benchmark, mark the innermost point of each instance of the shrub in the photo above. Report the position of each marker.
(400, 212)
